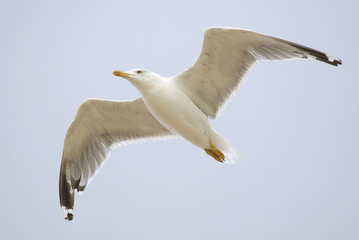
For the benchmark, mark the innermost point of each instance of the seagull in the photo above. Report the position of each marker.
(179, 106)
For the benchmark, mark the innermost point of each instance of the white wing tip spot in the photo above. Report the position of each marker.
(68, 213)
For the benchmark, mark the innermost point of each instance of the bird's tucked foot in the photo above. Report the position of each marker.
(214, 152)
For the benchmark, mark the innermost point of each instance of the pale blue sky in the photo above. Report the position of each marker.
(295, 122)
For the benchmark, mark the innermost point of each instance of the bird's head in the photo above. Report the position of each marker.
(141, 79)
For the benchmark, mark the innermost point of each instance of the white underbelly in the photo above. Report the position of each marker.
(178, 113)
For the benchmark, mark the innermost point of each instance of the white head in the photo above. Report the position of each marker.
(141, 79)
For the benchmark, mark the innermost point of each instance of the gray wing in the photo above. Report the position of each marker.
(227, 55)
(100, 125)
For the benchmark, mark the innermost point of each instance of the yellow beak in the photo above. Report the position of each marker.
(121, 74)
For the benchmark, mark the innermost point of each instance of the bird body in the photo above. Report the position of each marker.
(183, 117)
(176, 106)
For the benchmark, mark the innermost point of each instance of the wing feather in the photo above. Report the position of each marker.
(227, 55)
(98, 127)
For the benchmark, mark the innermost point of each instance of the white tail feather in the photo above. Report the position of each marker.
(230, 152)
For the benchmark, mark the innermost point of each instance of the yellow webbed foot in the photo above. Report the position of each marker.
(214, 152)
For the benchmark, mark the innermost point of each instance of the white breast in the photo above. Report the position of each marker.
(178, 113)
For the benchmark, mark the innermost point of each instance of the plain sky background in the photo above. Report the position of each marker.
(295, 123)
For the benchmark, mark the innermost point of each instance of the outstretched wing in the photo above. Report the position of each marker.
(98, 126)
(227, 55)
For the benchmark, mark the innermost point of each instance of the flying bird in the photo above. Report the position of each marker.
(169, 107)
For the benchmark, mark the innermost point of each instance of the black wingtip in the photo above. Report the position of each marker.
(337, 62)
(69, 217)
(66, 194)
(328, 59)
(318, 55)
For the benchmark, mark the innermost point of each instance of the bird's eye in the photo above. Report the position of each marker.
(139, 72)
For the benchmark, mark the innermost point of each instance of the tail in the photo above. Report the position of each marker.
(222, 144)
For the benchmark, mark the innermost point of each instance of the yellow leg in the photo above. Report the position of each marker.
(214, 152)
